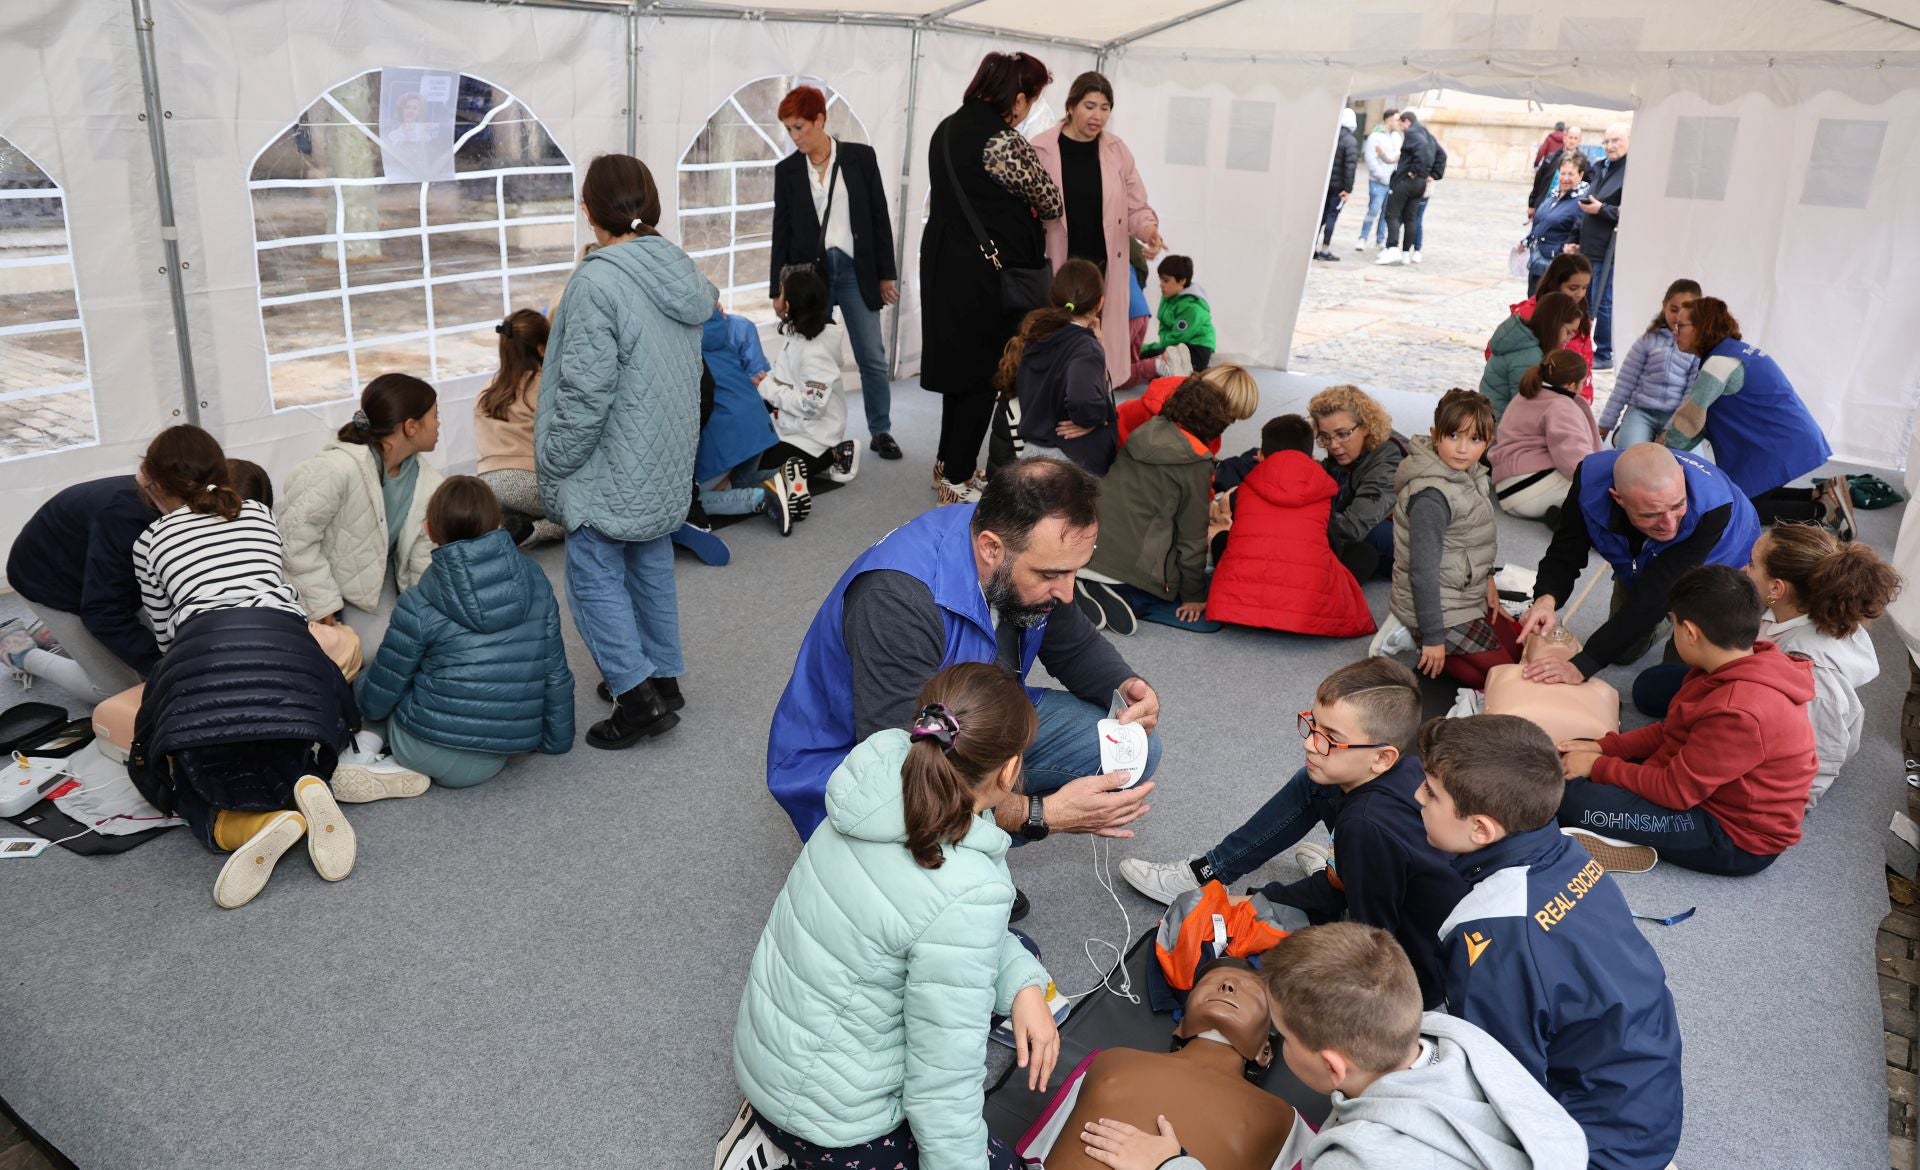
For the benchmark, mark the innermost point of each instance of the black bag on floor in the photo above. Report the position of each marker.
(25, 724)
(46, 820)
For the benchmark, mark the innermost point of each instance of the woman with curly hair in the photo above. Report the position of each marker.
(1363, 452)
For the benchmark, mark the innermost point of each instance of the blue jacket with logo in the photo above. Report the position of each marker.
(813, 725)
(1708, 487)
(1572, 989)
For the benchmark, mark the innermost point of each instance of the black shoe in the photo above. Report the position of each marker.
(669, 689)
(1087, 604)
(1361, 559)
(884, 446)
(519, 525)
(639, 712)
(1552, 517)
(1020, 906)
(1603, 364)
(1120, 616)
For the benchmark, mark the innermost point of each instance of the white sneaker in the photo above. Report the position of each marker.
(846, 462)
(1412, 258)
(367, 748)
(1389, 256)
(1615, 856)
(1163, 881)
(381, 779)
(1175, 362)
(247, 869)
(1361, 246)
(1312, 858)
(1393, 638)
(330, 839)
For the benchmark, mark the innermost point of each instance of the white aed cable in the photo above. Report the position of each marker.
(1103, 874)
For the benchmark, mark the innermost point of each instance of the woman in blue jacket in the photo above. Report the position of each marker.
(473, 668)
(614, 440)
(1556, 222)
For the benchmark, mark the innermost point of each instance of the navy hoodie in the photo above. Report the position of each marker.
(1384, 873)
(76, 554)
(1572, 989)
(1062, 378)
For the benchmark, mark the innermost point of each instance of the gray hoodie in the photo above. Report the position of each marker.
(1467, 1103)
(1841, 666)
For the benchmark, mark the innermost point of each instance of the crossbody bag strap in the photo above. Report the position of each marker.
(987, 247)
(833, 178)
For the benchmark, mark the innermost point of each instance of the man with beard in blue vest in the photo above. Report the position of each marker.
(990, 582)
(1652, 514)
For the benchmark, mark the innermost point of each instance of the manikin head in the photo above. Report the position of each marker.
(1229, 997)
(1032, 531)
(1651, 489)
(1556, 643)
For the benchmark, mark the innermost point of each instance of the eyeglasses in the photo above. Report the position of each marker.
(1317, 741)
(1329, 438)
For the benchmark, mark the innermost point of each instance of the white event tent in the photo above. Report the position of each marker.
(193, 226)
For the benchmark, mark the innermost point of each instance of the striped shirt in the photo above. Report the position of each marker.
(188, 563)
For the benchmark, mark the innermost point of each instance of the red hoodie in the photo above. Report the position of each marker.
(1736, 744)
(1278, 572)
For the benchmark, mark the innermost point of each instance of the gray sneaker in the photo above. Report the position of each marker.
(1163, 881)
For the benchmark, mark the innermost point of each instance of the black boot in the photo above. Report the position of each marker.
(669, 689)
(639, 712)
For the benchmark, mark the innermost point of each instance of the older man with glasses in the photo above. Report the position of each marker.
(1602, 207)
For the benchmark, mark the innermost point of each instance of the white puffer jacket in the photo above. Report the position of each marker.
(334, 523)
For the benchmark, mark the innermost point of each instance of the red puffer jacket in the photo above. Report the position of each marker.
(1279, 572)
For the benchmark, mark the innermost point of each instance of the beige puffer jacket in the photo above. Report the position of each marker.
(334, 524)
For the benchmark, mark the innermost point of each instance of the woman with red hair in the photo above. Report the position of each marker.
(830, 214)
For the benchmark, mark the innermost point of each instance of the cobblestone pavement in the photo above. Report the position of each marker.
(1419, 327)
(46, 422)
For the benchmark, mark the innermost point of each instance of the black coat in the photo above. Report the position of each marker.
(252, 677)
(962, 326)
(1346, 160)
(1416, 153)
(76, 554)
(1596, 231)
(796, 225)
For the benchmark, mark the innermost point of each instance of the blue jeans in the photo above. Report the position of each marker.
(1689, 838)
(1066, 746)
(624, 605)
(1280, 824)
(1375, 223)
(1638, 426)
(1419, 225)
(1600, 304)
(869, 348)
(737, 500)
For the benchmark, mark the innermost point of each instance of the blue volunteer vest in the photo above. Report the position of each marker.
(813, 724)
(1708, 487)
(1762, 436)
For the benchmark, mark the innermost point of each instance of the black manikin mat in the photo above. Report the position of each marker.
(1106, 1020)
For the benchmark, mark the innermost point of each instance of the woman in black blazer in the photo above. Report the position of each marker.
(856, 253)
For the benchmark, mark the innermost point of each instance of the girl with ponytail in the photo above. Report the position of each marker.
(893, 926)
(355, 520)
(1056, 396)
(1820, 594)
(503, 427)
(1543, 436)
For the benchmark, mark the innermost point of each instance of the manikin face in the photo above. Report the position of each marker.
(1234, 1003)
(1089, 115)
(808, 135)
(1656, 512)
(1026, 586)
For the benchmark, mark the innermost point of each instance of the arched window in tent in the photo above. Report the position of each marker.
(726, 186)
(363, 271)
(46, 390)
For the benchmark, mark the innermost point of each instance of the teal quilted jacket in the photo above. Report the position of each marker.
(619, 416)
(869, 995)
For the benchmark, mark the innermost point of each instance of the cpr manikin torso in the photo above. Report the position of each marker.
(1224, 1120)
(1587, 711)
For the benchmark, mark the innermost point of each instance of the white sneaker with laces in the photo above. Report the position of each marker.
(1312, 858)
(1163, 881)
(1412, 258)
(1393, 638)
(1388, 256)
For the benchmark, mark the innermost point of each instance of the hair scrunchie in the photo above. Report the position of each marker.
(1069, 306)
(636, 225)
(936, 722)
(361, 422)
(503, 329)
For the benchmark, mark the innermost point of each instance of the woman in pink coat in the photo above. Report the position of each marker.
(1106, 206)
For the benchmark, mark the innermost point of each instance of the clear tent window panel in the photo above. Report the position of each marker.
(367, 266)
(725, 186)
(46, 389)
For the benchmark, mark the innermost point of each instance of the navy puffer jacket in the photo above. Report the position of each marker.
(473, 658)
(235, 677)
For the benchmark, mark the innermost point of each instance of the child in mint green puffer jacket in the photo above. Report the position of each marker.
(864, 1023)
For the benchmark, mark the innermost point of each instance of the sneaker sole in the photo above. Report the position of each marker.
(1121, 619)
(794, 472)
(246, 872)
(359, 784)
(330, 839)
(1616, 856)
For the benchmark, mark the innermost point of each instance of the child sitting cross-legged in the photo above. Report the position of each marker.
(1543, 953)
(1409, 1089)
(803, 390)
(472, 669)
(1360, 781)
(1737, 747)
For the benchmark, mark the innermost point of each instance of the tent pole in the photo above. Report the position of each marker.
(633, 80)
(1163, 26)
(906, 188)
(933, 21)
(163, 190)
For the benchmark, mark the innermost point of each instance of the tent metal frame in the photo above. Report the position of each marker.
(155, 117)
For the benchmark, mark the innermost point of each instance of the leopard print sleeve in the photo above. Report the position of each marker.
(1011, 162)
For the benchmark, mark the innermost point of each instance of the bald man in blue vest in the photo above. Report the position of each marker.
(1652, 514)
(990, 582)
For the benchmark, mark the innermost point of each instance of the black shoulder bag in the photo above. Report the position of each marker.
(1021, 289)
(818, 266)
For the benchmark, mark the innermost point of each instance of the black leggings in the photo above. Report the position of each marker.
(1403, 206)
(964, 421)
(1786, 503)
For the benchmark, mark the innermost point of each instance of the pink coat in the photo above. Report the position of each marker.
(1123, 204)
(1549, 430)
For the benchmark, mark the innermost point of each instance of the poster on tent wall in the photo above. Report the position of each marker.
(416, 123)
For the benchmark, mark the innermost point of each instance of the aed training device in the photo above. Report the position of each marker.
(1123, 748)
(22, 846)
(25, 782)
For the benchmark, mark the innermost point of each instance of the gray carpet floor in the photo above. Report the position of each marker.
(545, 970)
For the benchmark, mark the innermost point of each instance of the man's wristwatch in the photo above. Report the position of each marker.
(1036, 827)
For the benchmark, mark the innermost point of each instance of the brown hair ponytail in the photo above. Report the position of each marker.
(1562, 369)
(388, 401)
(974, 717)
(523, 335)
(1840, 586)
(186, 463)
(1077, 288)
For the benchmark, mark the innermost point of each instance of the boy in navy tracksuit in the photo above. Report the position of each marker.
(1360, 781)
(1543, 953)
